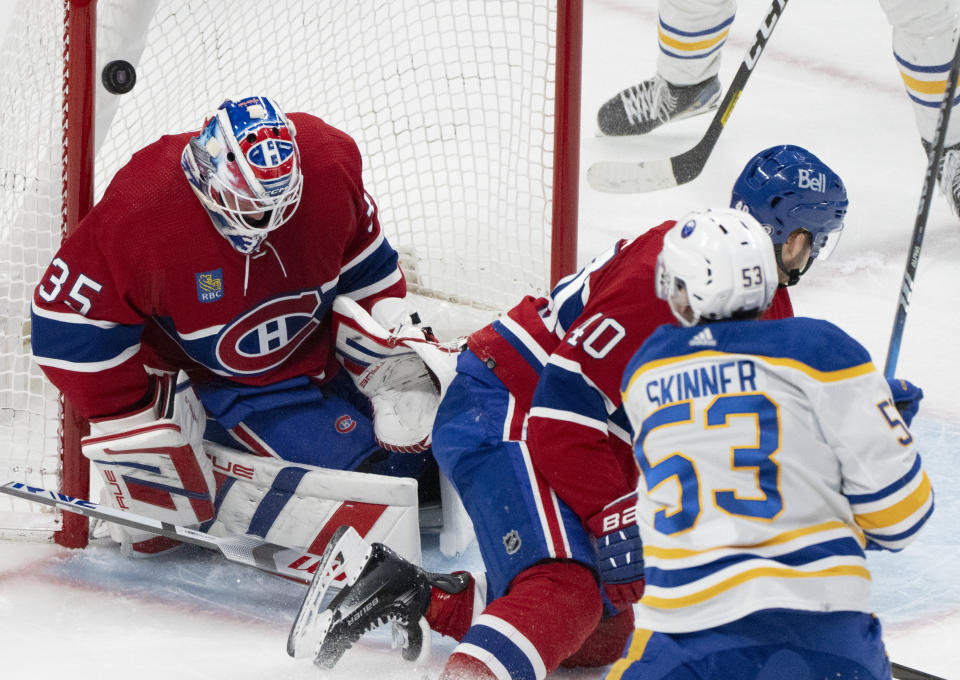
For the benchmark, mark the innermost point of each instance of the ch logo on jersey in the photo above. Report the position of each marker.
(267, 335)
(210, 285)
(345, 424)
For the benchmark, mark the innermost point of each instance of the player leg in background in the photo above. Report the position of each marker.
(691, 35)
(767, 645)
(542, 599)
(924, 39)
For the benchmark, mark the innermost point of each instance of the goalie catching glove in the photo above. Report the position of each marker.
(404, 373)
(152, 462)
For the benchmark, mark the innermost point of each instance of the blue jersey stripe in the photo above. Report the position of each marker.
(503, 649)
(800, 339)
(887, 490)
(566, 391)
(80, 342)
(672, 578)
(698, 55)
(693, 34)
(375, 267)
(518, 346)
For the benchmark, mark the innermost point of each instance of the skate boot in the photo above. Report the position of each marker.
(641, 108)
(376, 586)
(948, 175)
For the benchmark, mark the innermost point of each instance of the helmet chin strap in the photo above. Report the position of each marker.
(792, 274)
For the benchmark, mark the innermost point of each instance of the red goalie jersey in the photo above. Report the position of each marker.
(146, 279)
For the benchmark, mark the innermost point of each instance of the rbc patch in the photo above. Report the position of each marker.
(210, 285)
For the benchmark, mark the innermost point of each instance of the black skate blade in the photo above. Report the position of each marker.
(413, 639)
(342, 562)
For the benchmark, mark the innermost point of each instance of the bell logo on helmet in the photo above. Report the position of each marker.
(807, 180)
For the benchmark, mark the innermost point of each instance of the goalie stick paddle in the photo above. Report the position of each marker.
(248, 550)
(901, 672)
(627, 177)
(934, 157)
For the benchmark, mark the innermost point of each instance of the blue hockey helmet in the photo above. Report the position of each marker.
(788, 188)
(244, 166)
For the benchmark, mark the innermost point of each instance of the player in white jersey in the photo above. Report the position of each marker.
(691, 35)
(771, 456)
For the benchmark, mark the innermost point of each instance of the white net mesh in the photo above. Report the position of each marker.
(451, 103)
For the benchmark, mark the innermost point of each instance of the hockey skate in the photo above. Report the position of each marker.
(376, 586)
(641, 108)
(948, 175)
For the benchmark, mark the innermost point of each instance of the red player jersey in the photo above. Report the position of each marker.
(563, 359)
(146, 279)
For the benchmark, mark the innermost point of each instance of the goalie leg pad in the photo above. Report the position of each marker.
(152, 462)
(301, 506)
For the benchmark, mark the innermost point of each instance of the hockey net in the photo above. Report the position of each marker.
(465, 112)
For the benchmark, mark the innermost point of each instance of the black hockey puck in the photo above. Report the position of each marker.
(119, 76)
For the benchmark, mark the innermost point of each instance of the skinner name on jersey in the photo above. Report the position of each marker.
(739, 375)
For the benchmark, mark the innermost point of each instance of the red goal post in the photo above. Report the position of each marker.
(466, 112)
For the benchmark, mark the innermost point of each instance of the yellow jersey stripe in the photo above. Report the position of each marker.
(899, 511)
(924, 86)
(691, 46)
(821, 376)
(743, 577)
(679, 553)
(638, 644)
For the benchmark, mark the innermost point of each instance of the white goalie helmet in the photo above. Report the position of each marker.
(244, 166)
(716, 264)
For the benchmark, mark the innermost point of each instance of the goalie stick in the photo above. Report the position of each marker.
(934, 157)
(627, 177)
(248, 550)
(901, 672)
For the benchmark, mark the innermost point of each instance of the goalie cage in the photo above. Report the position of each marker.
(466, 113)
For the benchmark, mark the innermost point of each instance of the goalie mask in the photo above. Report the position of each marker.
(716, 264)
(244, 166)
(788, 188)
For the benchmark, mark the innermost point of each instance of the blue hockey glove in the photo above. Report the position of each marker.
(907, 398)
(619, 551)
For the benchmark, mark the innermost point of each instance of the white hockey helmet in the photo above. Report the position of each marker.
(716, 264)
(244, 166)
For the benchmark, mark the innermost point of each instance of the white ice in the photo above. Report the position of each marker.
(828, 82)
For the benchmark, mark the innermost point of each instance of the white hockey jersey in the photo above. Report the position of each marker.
(771, 455)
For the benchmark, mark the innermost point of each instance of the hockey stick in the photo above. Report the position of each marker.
(901, 672)
(934, 157)
(623, 177)
(248, 550)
